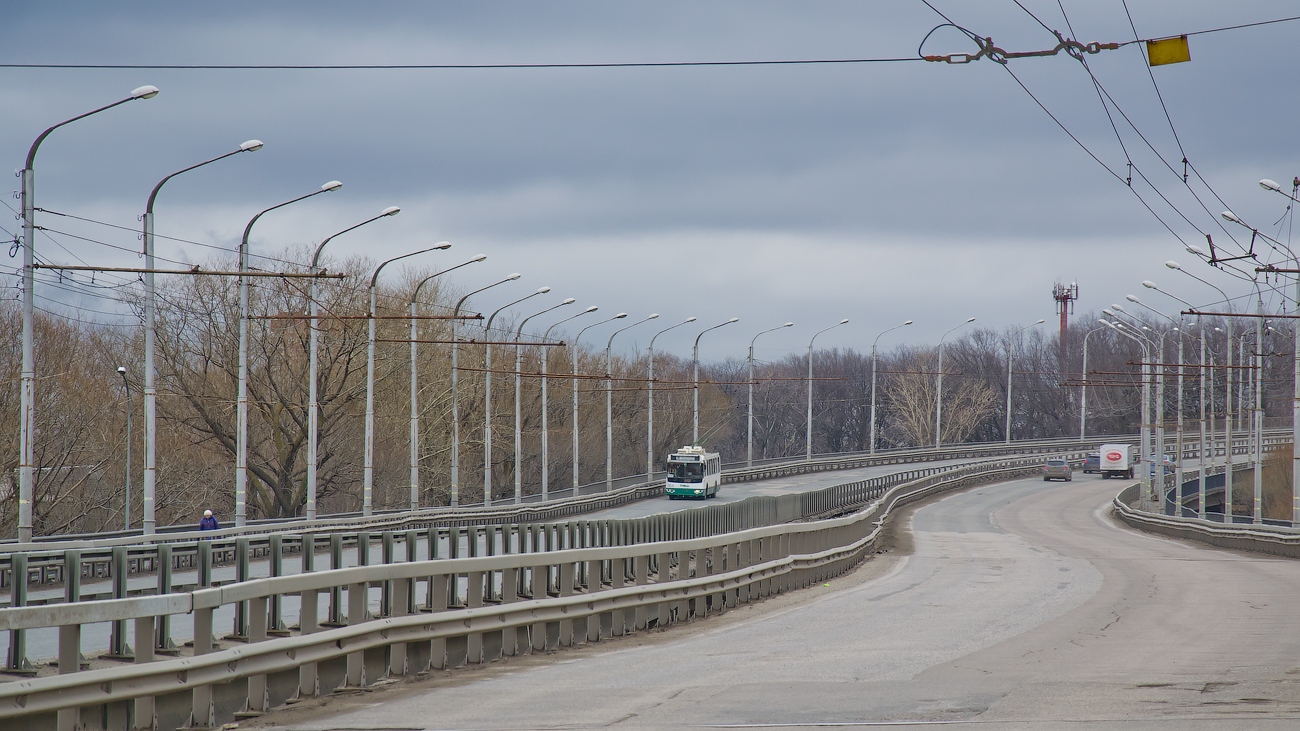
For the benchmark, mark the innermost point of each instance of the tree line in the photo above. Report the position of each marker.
(80, 425)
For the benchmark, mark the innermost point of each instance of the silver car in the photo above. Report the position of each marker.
(1057, 469)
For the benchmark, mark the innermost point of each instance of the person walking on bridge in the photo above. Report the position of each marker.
(208, 522)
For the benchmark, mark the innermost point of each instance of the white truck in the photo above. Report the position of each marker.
(1118, 460)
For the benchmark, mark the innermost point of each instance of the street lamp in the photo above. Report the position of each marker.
(546, 450)
(808, 431)
(150, 391)
(1083, 390)
(127, 502)
(1227, 397)
(519, 366)
(241, 449)
(415, 386)
(1144, 430)
(27, 388)
(1181, 330)
(574, 347)
(1040, 322)
(368, 470)
(455, 402)
(695, 359)
(650, 401)
(938, 390)
(1157, 371)
(487, 394)
(873, 383)
(1267, 184)
(609, 403)
(749, 422)
(313, 407)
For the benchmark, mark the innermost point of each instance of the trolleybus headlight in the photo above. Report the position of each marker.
(697, 492)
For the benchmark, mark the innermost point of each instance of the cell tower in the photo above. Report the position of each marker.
(1065, 295)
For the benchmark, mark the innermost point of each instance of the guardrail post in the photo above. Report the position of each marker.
(437, 599)
(566, 589)
(243, 571)
(259, 700)
(145, 717)
(641, 572)
(386, 556)
(308, 619)
(202, 712)
(662, 612)
(509, 594)
(203, 571)
(357, 600)
(335, 616)
(118, 649)
(275, 565)
(162, 642)
(69, 719)
(474, 599)
(545, 634)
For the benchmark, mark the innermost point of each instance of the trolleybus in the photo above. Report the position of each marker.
(693, 473)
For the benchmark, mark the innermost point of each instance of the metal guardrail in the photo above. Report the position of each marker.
(1260, 538)
(589, 580)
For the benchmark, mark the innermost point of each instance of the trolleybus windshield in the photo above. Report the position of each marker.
(686, 471)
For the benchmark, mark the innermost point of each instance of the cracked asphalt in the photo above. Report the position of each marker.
(1020, 605)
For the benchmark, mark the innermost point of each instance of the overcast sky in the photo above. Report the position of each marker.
(874, 191)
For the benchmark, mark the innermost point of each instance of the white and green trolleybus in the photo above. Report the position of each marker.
(693, 473)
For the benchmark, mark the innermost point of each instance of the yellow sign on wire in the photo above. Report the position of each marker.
(1168, 50)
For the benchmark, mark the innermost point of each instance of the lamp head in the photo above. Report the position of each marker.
(619, 316)
(1267, 184)
(393, 211)
(737, 319)
(1230, 216)
(1194, 249)
(1173, 265)
(442, 246)
(970, 320)
(1107, 312)
(251, 146)
(1131, 298)
(593, 308)
(1118, 308)
(144, 92)
(332, 185)
(788, 324)
(122, 370)
(653, 316)
(690, 319)
(569, 301)
(1148, 284)
(1040, 322)
(543, 290)
(513, 277)
(480, 257)
(845, 321)
(909, 322)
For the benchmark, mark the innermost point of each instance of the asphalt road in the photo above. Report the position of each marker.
(1023, 606)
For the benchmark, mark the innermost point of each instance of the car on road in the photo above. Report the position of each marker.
(1057, 469)
(1092, 463)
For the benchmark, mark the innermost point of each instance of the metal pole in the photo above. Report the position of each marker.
(546, 454)
(619, 316)
(27, 386)
(127, 502)
(609, 404)
(873, 384)
(1257, 442)
(519, 365)
(1008, 431)
(938, 390)
(650, 401)
(487, 396)
(695, 391)
(749, 431)
(241, 448)
(808, 420)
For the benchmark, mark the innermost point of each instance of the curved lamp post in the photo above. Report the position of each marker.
(609, 403)
(1157, 371)
(749, 420)
(1267, 184)
(873, 382)
(546, 446)
(808, 423)
(574, 347)
(415, 386)
(27, 388)
(455, 402)
(1014, 334)
(1083, 396)
(650, 401)
(1227, 397)
(938, 390)
(313, 407)
(150, 391)
(368, 470)
(695, 360)
(1181, 328)
(519, 365)
(1145, 429)
(241, 449)
(487, 395)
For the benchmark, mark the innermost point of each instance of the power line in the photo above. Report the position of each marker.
(451, 66)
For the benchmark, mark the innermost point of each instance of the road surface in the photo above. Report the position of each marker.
(1022, 606)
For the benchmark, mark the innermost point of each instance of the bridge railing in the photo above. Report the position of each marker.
(586, 580)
